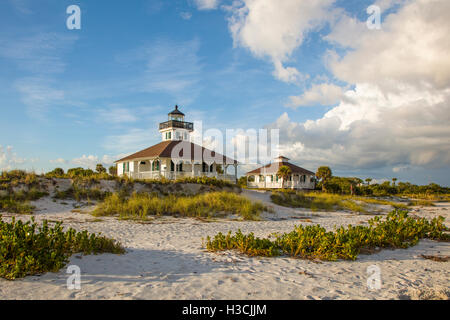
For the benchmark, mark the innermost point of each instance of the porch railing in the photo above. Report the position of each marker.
(278, 185)
(177, 175)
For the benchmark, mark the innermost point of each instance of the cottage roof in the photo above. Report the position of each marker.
(272, 168)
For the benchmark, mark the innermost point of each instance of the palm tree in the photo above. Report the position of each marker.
(368, 180)
(324, 174)
(394, 180)
(284, 172)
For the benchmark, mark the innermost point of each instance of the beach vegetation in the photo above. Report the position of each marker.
(396, 230)
(143, 205)
(29, 249)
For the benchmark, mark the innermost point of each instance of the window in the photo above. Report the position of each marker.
(271, 178)
(277, 178)
(155, 166)
(211, 168)
(204, 167)
(180, 167)
(170, 135)
(124, 168)
(172, 166)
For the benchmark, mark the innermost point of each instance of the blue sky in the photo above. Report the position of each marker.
(77, 97)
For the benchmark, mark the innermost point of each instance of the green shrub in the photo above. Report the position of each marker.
(26, 249)
(398, 230)
(141, 205)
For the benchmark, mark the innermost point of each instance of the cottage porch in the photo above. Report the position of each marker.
(169, 169)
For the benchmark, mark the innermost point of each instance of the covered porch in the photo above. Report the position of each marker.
(172, 169)
(273, 181)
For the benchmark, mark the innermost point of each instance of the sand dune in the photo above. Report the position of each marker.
(165, 260)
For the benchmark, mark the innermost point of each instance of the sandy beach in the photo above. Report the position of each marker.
(165, 260)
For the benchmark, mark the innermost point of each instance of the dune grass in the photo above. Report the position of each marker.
(397, 230)
(142, 205)
(328, 201)
(26, 249)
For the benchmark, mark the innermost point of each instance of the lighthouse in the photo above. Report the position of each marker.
(176, 129)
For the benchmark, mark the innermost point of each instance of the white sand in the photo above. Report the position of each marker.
(165, 260)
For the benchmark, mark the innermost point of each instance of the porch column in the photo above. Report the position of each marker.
(138, 169)
(225, 172)
(235, 172)
(151, 168)
(159, 166)
(193, 168)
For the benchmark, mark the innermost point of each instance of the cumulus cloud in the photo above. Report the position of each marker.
(398, 113)
(412, 48)
(323, 94)
(274, 29)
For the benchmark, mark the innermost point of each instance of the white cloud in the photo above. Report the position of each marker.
(9, 159)
(274, 29)
(323, 94)
(86, 161)
(398, 113)
(206, 4)
(412, 48)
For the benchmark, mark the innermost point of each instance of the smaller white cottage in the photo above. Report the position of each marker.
(266, 177)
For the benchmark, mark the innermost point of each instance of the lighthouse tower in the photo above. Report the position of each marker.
(176, 129)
